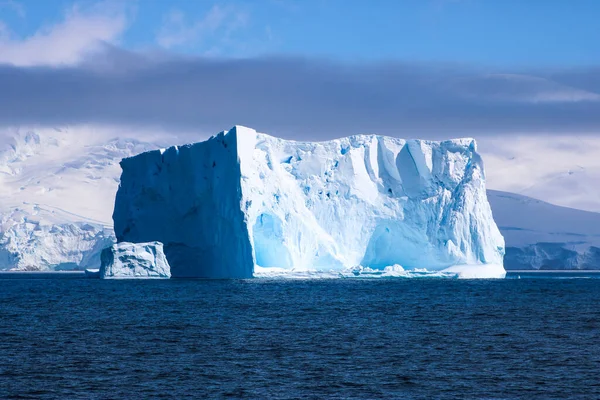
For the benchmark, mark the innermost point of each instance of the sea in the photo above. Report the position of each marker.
(530, 336)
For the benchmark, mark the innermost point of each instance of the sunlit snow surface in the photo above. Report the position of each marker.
(244, 199)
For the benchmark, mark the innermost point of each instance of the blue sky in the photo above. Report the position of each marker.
(435, 68)
(485, 32)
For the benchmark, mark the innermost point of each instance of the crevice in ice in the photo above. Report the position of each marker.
(269, 246)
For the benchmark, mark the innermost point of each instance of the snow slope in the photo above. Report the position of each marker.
(244, 198)
(540, 235)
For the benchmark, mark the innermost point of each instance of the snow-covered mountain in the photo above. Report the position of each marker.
(540, 235)
(57, 190)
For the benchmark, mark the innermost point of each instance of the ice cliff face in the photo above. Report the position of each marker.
(53, 247)
(32, 238)
(244, 199)
(134, 260)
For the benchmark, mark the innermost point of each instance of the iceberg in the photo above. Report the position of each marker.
(243, 201)
(134, 260)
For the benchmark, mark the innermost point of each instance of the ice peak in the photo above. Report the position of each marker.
(242, 130)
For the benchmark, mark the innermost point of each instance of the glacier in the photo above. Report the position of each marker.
(244, 201)
(57, 188)
(38, 238)
(134, 260)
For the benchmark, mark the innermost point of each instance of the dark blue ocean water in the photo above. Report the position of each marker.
(344, 338)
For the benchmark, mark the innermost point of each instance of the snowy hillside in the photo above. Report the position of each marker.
(540, 235)
(57, 188)
(76, 171)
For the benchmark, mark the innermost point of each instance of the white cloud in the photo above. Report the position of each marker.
(554, 168)
(215, 28)
(80, 32)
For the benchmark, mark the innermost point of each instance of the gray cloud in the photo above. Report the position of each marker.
(300, 98)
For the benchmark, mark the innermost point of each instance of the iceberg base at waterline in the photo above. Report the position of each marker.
(487, 271)
(92, 273)
(134, 261)
(484, 271)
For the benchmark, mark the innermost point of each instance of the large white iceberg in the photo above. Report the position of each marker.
(134, 260)
(243, 199)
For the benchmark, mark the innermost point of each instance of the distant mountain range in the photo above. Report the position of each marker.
(540, 235)
(57, 189)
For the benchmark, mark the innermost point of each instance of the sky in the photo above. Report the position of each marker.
(309, 69)
(487, 32)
